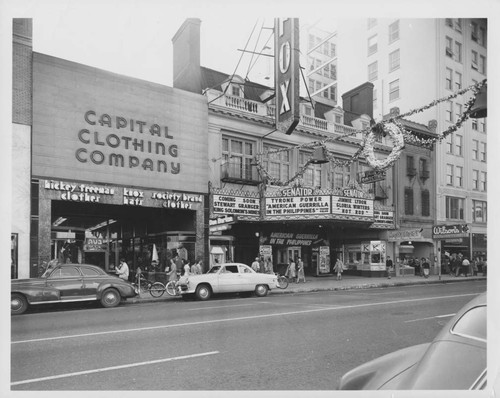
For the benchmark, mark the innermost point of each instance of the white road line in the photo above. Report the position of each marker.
(222, 306)
(130, 365)
(431, 317)
(243, 318)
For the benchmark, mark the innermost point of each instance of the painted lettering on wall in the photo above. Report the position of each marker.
(133, 144)
(172, 200)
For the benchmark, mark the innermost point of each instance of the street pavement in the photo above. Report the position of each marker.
(330, 282)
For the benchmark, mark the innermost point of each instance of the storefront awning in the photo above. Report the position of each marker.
(216, 250)
(406, 248)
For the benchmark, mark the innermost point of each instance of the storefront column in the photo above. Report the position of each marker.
(44, 229)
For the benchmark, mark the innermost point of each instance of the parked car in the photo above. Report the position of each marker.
(69, 283)
(454, 360)
(227, 278)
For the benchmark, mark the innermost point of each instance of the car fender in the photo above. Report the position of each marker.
(374, 374)
(122, 289)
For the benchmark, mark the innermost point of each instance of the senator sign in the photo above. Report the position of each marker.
(287, 69)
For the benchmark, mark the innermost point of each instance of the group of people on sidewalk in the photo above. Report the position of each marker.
(295, 271)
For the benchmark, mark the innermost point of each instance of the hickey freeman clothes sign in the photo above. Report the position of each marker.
(107, 128)
(287, 70)
(450, 231)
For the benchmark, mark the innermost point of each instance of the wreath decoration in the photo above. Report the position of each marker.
(398, 142)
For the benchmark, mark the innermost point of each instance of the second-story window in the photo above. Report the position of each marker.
(408, 201)
(459, 178)
(454, 208)
(426, 203)
(459, 142)
(449, 174)
(479, 208)
(341, 176)
(312, 175)
(277, 164)
(237, 157)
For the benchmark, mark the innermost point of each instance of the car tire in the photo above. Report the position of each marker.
(18, 304)
(203, 292)
(110, 298)
(261, 290)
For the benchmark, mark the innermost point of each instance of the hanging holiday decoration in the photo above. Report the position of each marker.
(397, 140)
(398, 135)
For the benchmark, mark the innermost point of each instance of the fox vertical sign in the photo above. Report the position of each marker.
(286, 65)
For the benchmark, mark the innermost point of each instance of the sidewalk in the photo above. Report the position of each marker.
(326, 283)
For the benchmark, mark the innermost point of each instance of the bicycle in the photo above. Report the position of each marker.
(155, 289)
(171, 286)
(282, 281)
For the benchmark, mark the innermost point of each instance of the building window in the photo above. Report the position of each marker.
(449, 47)
(372, 22)
(459, 140)
(449, 111)
(373, 71)
(458, 51)
(454, 208)
(372, 45)
(475, 180)
(474, 63)
(482, 36)
(277, 164)
(458, 25)
(426, 203)
(312, 175)
(475, 149)
(449, 174)
(449, 22)
(482, 181)
(449, 143)
(410, 166)
(458, 81)
(449, 79)
(394, 60)
(482, 64)
(394, 90)
(459, 178)
(341, 176)
(408, 201)
(237, 158)
(482, 153)
(393, 32)
(458, 111)
(236, 91)
(483, 126)
(479, 208)
(474, 124)
(474, 32)
(423, 169)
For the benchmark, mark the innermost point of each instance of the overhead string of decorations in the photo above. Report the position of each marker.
(398, 135)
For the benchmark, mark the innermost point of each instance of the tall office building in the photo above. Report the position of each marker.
(411, 63)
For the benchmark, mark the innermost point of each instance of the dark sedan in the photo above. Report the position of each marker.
(454, 360)
(69, 283)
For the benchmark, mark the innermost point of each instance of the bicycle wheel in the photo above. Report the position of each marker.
(171, 290)
(157, 289)
(282, 282)
(144, 285)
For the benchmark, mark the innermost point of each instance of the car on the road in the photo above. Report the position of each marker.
(454, 360)
(226, 278)
(69, 283)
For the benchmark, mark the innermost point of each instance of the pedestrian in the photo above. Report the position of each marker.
(122, 269)
(187, 268)
(389, 265)
(138, 273)
(466, 266)
(255, 265)
(426, 266)
(418, 267)
(300, 270)
(338, 268)
(179, 264)
(261, 264)
(268, 266)
(292, 270)
(172, 275)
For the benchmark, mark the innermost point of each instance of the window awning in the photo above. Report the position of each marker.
(216, 250)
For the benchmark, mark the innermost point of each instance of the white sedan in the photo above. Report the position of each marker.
(227, 278)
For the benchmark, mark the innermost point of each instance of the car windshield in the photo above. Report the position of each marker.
(472, 324)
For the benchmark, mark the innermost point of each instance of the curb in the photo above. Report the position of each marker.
(136, 300)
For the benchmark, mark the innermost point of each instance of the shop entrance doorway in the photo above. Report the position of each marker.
(294, 252)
